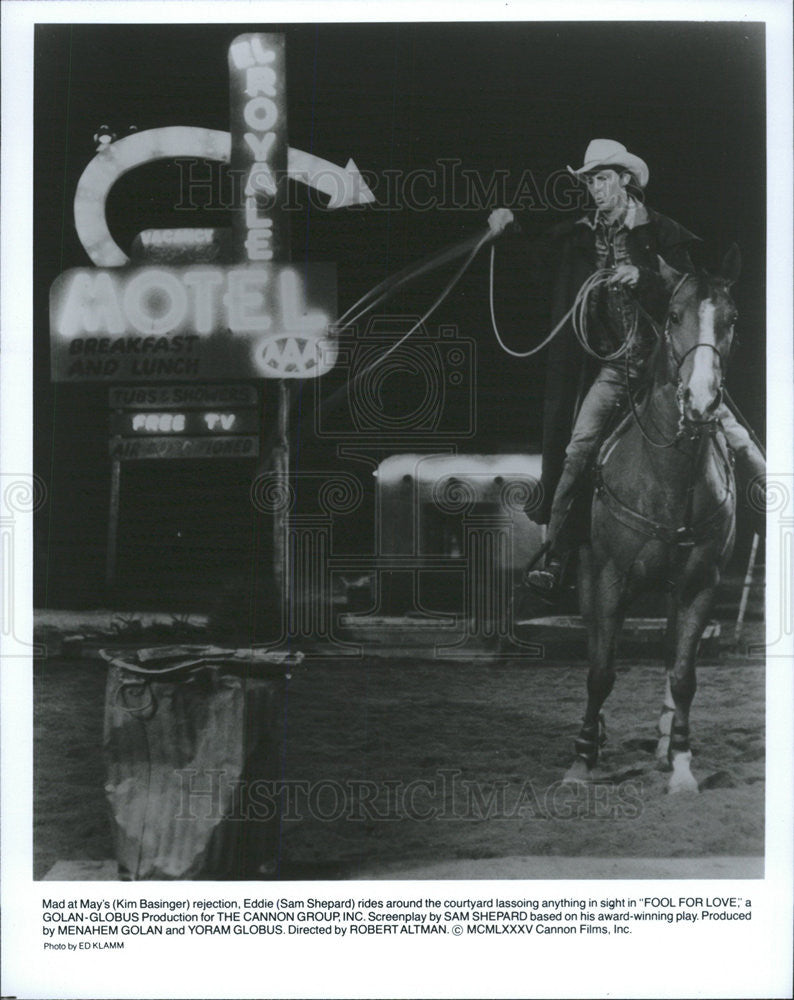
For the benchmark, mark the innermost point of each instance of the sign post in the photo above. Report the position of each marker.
(113, 525)
(258, 122)
(203, 305)
(280, 464)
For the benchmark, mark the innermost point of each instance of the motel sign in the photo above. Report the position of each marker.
(262, 320)
(256, 318)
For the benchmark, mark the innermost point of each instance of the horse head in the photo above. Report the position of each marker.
(698, 336)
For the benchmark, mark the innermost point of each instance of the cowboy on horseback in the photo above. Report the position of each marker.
(628, 239)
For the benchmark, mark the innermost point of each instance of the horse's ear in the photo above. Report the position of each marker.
(732, 264)
(670, 276)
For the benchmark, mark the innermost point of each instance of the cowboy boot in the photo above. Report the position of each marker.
(547, 581)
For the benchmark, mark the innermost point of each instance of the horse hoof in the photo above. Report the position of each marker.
(578, 774)
(683, 785)
(681, 779)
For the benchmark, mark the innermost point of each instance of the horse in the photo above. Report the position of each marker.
(663, 512)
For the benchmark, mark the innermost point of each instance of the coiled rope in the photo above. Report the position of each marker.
(577, 314)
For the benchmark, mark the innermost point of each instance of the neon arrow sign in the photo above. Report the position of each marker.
(344, 185)
(116, 160)
(258, 318)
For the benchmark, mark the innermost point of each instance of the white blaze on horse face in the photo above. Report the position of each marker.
(704, 381)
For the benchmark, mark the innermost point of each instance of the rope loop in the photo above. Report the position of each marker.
(577, 314)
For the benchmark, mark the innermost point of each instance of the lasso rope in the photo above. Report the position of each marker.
(382, 290)
(385, 288)
(429, 265)
(577, 314)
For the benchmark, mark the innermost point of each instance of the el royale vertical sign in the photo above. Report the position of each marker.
(257, 81)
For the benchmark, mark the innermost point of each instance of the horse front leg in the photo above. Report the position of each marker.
(585, 590)
(603, 610)
(668, 705)
(692, 616)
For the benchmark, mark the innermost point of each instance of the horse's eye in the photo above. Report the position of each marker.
(675, 317)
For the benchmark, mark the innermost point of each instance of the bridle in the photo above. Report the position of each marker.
(686, 535)
(687, 426)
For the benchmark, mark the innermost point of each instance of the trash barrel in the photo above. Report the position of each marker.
(192, 738)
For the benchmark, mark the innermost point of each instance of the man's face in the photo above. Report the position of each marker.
(607, 189)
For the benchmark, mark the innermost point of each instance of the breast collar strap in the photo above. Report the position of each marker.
(685, 536)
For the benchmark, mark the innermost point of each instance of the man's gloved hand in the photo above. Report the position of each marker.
(625, 274)
(499, 220)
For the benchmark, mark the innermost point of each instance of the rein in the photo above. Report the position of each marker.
(687, 534)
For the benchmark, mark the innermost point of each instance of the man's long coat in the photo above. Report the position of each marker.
(571, 248)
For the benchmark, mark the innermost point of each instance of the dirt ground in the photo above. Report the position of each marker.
(427, 761)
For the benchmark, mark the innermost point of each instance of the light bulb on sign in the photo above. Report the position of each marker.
(103, 138)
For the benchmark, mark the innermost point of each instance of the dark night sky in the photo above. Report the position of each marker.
(688, 98)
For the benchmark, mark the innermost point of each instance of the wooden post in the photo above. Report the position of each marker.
(748, 582)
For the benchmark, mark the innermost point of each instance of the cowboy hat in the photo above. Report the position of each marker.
(608, 153)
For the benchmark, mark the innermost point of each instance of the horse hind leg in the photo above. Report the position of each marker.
(665, 723)
(665, 726)
(604, 618)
